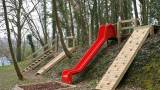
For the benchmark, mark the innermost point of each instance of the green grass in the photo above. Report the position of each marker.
(8, 77)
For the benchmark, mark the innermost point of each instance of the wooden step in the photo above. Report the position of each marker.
(55, 60)
(123, 60)
(36, 63)
(33, 63)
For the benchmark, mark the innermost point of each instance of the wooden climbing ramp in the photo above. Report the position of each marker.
(53, 61)
(123, 60)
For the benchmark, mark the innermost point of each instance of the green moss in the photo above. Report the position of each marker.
(147, 84)
(144, 71)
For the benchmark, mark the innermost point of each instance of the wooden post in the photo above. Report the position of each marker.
(135, 22)
(74, 42)
(90, 37)
(118, 32)
(67, 42)
(57, 43)
(151, 31)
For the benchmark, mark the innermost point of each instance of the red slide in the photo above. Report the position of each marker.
(105, 33)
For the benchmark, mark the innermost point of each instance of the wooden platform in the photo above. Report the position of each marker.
(53, 62)
(122, 62)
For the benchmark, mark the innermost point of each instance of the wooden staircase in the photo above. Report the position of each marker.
(40, 56)
(39, 59)
(125, 57)
(48, 51)
(55, 60)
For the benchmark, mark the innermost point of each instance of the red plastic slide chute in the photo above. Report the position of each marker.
(105, 33)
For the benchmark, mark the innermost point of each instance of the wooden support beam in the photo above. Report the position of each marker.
(90, 37)
(152, 31)
(74, 42)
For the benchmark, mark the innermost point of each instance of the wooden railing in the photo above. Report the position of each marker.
(74, 41)
(50, 46)
(133, 23)
(41, 50)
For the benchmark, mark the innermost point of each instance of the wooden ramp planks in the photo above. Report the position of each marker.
(53, 61)
(123, 60)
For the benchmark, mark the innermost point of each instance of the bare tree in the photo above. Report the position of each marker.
(19, 74)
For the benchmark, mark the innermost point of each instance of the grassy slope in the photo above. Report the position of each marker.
(94, 71)
(8, 78)
(144, 71)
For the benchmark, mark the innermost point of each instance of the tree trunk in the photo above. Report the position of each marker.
(144, 11)
(71, 16)
(53, 23)
(107, 11)
(19, 35)
(68, 54)
(45, 22)
(55, 43)
(114, 11)
(135, 11)
(29, 37)
(19, 74)
(135, 8)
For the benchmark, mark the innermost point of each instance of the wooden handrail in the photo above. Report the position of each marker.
(33, 59)
(41, 51)
(129, 27)
(35, 53)
(130, 20)
(120, 28)
(126, 21)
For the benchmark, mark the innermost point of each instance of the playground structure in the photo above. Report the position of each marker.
(50, 51)
(110, 80)
(105, 33)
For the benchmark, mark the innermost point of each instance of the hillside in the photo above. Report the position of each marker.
(143, 73)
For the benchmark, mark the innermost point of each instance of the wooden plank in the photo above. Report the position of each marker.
(53, 62)
(126, 21)
(70, 37)
(124, 28)
(123, 60)
(130, 20)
